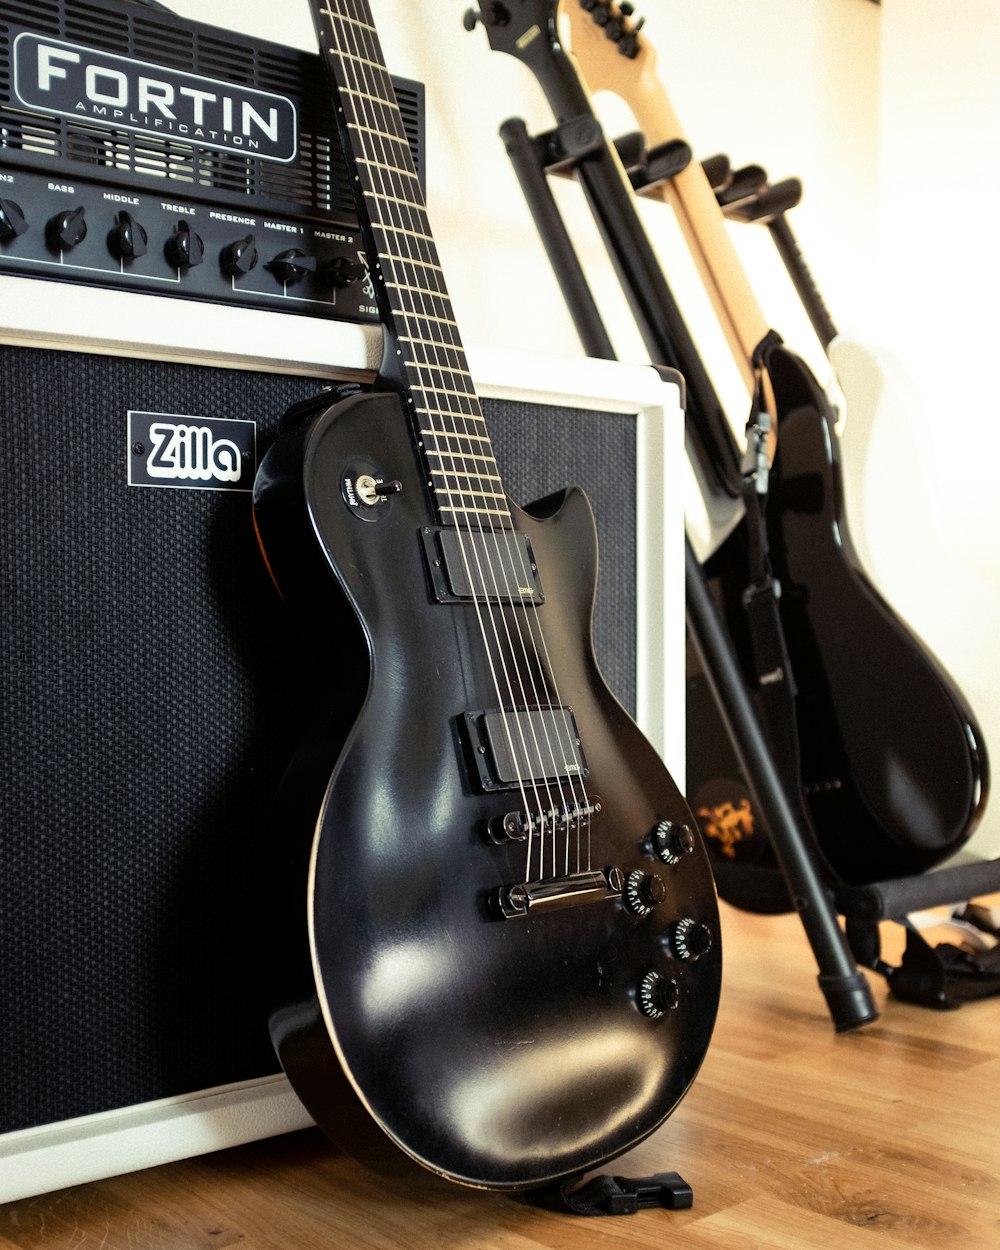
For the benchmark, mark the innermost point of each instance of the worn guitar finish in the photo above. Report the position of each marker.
(884, 761)
(500, 954)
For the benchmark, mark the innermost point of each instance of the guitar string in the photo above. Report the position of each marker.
(405, 239)
(490, 541)
(517, 556)
(514, 549)
(393, 204)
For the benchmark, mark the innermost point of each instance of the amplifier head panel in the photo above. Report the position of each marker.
(143, 151)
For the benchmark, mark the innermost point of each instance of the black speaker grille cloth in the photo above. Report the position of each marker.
(149, 706)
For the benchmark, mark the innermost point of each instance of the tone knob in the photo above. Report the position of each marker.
(672, 841)
(66, 229)
(690, 939)
(292, 266)
(642, 892)
(657, 995)
(184, 249)
(240, 257)
(12, 221)
(127, 240)
(342, 272)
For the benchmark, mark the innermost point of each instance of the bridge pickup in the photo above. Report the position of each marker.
(515, 826)
(491, 566)
(519, 746)
(512, 902)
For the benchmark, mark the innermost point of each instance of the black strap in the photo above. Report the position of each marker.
(615, 1195)
(775, 686)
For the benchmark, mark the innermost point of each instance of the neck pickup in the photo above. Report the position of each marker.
(488, 565)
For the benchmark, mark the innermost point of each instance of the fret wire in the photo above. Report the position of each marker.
(448, 411)
(479, 477)
(479, 438)
(475, 494)
(460, 455)
(433, 365)
(502, 512)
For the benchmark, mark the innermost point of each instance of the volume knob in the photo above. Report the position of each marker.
(657, 995)
(672, 841)
(642, 892)
(292, 266)
(690, 939)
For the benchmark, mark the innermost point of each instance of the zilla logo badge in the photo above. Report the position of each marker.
(191, 452)
(71, 80)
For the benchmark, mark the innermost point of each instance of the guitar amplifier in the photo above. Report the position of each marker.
(152, 688)
(153, 691)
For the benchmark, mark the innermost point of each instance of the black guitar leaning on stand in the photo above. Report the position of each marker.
(501, 956)
(893, 772)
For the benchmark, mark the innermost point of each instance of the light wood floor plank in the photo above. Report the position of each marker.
(793, 1138)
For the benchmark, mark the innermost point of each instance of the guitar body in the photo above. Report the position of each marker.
(893, 771)
(414, 1021)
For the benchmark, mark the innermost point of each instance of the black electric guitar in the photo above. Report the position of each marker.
(884, 757)
(502, 957)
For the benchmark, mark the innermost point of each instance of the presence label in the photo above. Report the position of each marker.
(202, 453)
(72, 80)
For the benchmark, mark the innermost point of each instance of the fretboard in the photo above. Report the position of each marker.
(416, 309)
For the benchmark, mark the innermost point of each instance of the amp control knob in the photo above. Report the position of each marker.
(292, 266)
(66, 229)
(690, 939)
(642, 892)
(240, 257)
(672, 841)
(343, 272)
(12, 222)
(184, 249)
(657, 995)
(127, 239)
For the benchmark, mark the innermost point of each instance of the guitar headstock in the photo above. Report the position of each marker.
(524, 29)
(606, 42)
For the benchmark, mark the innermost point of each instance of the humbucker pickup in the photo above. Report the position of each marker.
(512, 747)
(492, 566)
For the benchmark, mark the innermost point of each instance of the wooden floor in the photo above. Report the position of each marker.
(792, 1138)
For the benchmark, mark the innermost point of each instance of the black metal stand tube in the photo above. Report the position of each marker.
(846, 990)
(555, 238)
(802, 279)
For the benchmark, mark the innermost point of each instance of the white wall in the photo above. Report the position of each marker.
(890, 117)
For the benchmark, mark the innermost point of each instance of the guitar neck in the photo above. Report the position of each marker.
(688, 192)
(423, 354)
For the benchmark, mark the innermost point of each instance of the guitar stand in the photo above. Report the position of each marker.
(577, 148)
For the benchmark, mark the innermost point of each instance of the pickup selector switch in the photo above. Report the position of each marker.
(240, 257)
(184, 249)
(657, 995)
(690, 939)
(292, 266)
(127, 239)
(12, 222)
(642, 892)
(672, 841)
(66, 229)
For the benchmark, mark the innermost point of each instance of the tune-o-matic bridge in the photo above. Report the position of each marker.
(516, 826)
(511, 902)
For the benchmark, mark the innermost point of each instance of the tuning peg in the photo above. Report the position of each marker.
(628, 44)
(489, 15)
